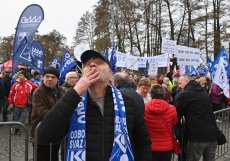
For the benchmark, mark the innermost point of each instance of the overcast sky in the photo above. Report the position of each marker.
(62, 15)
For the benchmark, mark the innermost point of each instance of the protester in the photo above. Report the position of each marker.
(194, 104)
(143, 89)
(160, 117)
(36, 78)
(7, 80)
(168, 90)
(44, 98)
(4, 93)
(18, 98)
(133, 83)
(71, 79)
(203, 84)
(160, 79)
(108, 129)
(122, 82)
(216, 95)
(153, 80)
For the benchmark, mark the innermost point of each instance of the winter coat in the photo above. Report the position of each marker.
(127, 89)
(194, 103)
(20, 92)
(99, 129)
(216, 94)
(160, 118)
(44, 99)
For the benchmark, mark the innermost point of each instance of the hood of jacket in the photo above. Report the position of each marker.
(157, 106)
(193, 85)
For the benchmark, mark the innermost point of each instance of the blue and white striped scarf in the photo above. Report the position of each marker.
(76, 147)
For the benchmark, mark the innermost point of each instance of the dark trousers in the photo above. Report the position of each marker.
(198, 149)
(3, 108)
(43, 153)
(161, 155)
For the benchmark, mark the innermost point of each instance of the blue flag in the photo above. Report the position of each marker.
(202, 69)
(55, 63)
(28, 24)
(208, 66)
(193, 71)
(222, 54)
(131, 52)
(186, 69)
(2, 67)
(106, 53)
(37, 54)
(67, 64)
(113, 60)
(22, 54)
(146, 70)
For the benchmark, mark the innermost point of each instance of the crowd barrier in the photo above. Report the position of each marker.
(11, 140)
(222, 119)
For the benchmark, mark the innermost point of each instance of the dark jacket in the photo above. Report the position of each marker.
(66, 86)
(128, 89)
(194, 103)
(3, 90)
(43, 100)
(99, 129)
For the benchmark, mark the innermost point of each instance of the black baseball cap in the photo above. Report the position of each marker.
(88, 54)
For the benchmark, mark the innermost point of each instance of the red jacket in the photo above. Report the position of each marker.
(20, 92)
(158, 115)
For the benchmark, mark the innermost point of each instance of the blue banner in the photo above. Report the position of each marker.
(28, 24)
(22, 53)
(106, 53)
(113, 60)
(37, 54)
(55, 63)
(67, 64)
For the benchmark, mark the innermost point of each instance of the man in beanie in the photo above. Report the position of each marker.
(44, 98)
(18, 98)
(102, 124)
(36, 78)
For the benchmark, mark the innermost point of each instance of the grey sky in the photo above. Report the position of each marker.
(62, 15)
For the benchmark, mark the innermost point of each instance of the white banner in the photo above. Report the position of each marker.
(168, 46)
(187, 56)
(153, 68)
(121, 59)
(162, 60)
(142, 62)
(132, 62)
(221, 76)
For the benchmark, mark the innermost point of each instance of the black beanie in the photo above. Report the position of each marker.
(53, 71)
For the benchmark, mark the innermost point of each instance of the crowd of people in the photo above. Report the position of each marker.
(121, 116)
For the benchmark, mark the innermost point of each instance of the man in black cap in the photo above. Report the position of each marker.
(44, 98)
(102, 124)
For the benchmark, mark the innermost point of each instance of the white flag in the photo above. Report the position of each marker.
(221, 76)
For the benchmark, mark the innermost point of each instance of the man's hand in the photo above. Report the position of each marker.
(86, 80)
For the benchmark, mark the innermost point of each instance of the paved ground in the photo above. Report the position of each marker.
(18, 145)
